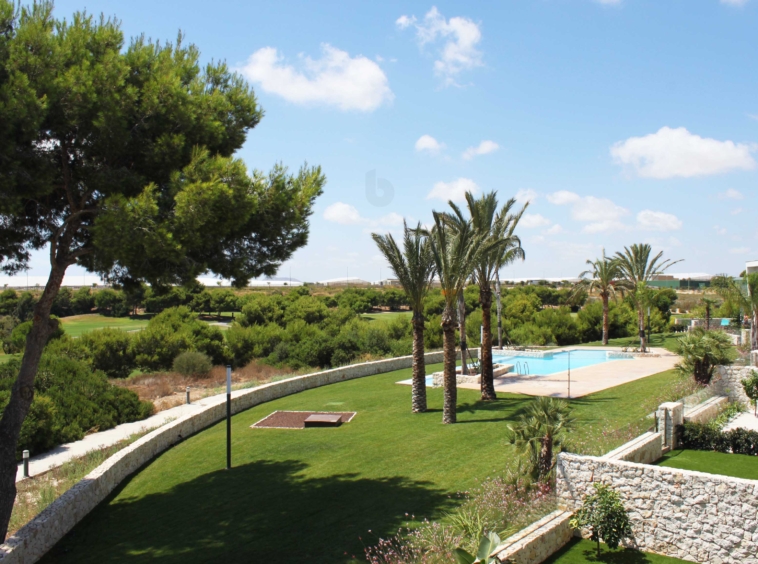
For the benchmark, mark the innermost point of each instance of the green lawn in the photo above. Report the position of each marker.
(581, 551)
(7, 357)
(388, 315)
(80, 324)
(322, 494)
(666, 340)
(735, 465)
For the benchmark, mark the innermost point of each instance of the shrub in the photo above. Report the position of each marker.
(702, 351)
(111, 351)
(192, 363)
(605, 517)
(111, 303)
(698, 436)
(69, 401)
(17, 341)
(750, 385)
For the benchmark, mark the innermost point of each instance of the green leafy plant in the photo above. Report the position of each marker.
(539, 431)
(605, 517)
(702, 351)
(751, 389)
(487, 546)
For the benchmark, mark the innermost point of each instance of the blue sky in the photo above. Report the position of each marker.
(622, 121)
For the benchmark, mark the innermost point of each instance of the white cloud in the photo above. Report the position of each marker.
(526, 195)
(461, 37)
(345, 214)
(429, 144)
(740, 251)
(734, 2)
(720, 230)
(731, 194)
(563, 197)
(532, 220)
(670, 153)
(454, 190)
(336, 79)
(554, 230)
(736, 211)
(650, 220)
(484, 148)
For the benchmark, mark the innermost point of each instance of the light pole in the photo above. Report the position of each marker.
(569, 376)
(228, 417)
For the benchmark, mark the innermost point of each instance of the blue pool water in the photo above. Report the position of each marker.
(556, 362)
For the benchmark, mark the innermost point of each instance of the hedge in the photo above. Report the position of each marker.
(698, 436)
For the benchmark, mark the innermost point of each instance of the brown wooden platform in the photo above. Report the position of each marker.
(299, 419)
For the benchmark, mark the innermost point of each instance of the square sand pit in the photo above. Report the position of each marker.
(296, 419)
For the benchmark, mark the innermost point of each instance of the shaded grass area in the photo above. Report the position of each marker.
(77, 325)
(667, 341)
(735, 465)
(7, 357)
(579, 551)
(322, 494)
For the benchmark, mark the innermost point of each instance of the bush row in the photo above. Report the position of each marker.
(699, 436)
(70, 400)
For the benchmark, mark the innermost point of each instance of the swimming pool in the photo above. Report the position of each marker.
(555, 362)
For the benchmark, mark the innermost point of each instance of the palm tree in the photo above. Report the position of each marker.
(745, 294)
(509, 253)
(539, 431)
(456, 249)
(602, 277)
(496, 227)
(637, 269)
(414, 269)
(708, 304)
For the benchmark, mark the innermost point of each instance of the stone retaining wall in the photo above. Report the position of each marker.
(31, 542)
(688, 515)
(707, 410)
(538, 542)
(645, 449)
(727, 381)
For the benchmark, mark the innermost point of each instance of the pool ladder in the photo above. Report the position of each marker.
(522, 368)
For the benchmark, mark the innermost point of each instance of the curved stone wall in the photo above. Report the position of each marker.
(31, 542)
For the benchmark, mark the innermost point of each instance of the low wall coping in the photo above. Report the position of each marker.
(510, 550)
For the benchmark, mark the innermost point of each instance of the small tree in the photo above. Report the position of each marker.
(702, 351)
(605, 517)
(751, 389)
(539, 431)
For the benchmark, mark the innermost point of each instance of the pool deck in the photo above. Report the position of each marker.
(587, 380)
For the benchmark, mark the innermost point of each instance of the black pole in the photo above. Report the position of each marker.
(569, 376)
(228, 417)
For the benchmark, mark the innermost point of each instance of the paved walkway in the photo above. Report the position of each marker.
(64, 453)
(745, 421)
(587, 380)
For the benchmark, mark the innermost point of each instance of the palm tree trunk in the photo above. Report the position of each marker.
(451, 383)
(606, 322)
(499, 312)
(22, 394)
(546, 456)
(707, 317)
(462, 331)
(419, 366)
(485, 354)
(641, 317)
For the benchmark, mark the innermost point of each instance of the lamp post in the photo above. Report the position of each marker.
(648, 326)
(569, 376)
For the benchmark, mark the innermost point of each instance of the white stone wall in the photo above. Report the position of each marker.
(707, 410)
(727, 381)
(30, 543)
(538, 542)
(688, 515)
(645, 449)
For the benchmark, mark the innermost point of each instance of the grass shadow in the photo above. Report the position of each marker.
(260, 512)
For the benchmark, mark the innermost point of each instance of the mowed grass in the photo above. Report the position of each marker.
(388, 315)
(581, 551)
(321, 495)
(735, 465)
(77, 325)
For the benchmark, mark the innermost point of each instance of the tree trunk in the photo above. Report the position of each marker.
(606, 322)
(546, 456)
(419, 365)
(643, 339)
(462, 331)
(754, 331)
(22, 394)
(707, 317)
(451, 383)
(485, 354)
(499, 313)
